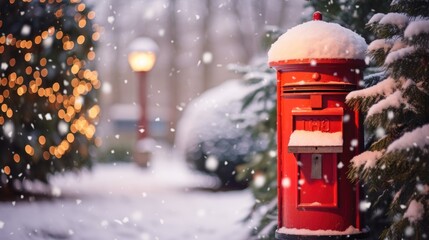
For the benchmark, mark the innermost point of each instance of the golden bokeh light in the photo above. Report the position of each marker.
(28, 70)
(91, 55)
(59, 35)
(16, 158)
(29, 150)
(27, 57)
(81, 7)
(81, 39)
(42, 140)
(4, 107)
(56, 87)
(37, 39)
(9, 113)
(6, 170)
(43, 62)
(75, 69)
(59, 13)
(96, 36)
(46, 155)
(70, 137)
(91, 15)
(82, 23)
(94, 111)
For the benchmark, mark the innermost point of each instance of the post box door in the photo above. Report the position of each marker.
(317, 180)
(316, 140)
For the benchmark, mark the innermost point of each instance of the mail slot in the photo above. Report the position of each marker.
(315, 130)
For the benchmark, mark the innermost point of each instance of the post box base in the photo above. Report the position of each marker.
(283, 236)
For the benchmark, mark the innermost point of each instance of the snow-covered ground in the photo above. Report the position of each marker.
(122, 201)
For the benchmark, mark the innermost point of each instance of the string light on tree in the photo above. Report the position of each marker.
(48, 104)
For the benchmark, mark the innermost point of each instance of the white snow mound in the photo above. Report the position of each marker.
(318, 40)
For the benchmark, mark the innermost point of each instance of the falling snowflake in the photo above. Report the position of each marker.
(286, 182)
(354, 143)
(207, 57)
(364, 205)
(48, 116)
(110, 19)
(390, 115)
(63, 127)
(47, 43)
(380, 132)
(56, 191)
(4, 66)
(211, 163)
(259, 180)
(106, 88)
(25, 30)
(104, 223)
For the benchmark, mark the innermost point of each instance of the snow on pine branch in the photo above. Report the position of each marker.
(398, 19)
(376, 18)
(419, 137)
(414, 211)
(367, 159)
(384, 88)
(398, 44)
(379, 44)
(417, 27)
(393, 100)
(398, 54)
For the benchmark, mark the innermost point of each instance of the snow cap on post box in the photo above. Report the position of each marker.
(317, 40)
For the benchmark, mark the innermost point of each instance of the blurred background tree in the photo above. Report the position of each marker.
(48, 93)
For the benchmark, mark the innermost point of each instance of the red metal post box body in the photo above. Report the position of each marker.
(317, 137)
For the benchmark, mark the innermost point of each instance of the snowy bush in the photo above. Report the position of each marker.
(211, 134)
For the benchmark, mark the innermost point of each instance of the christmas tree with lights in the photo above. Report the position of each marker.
(395, 167)
(48, 104)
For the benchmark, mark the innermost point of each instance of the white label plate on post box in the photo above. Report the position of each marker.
(302, 141)
(317, 131)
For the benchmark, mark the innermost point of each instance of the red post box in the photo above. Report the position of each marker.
(318, 64)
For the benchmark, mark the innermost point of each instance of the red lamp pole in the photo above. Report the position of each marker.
(142, 125)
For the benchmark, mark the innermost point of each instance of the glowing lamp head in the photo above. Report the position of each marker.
(141, 61)
(142, 54)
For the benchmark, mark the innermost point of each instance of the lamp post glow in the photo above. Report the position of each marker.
(142, 58)
(141, 61)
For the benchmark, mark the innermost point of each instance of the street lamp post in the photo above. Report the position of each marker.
(142, 57)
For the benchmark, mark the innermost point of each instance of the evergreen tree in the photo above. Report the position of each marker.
(48, 93)
(395, 167)
(261, 168)
(353, 14)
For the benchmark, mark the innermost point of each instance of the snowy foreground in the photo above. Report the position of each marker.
(122, 201)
